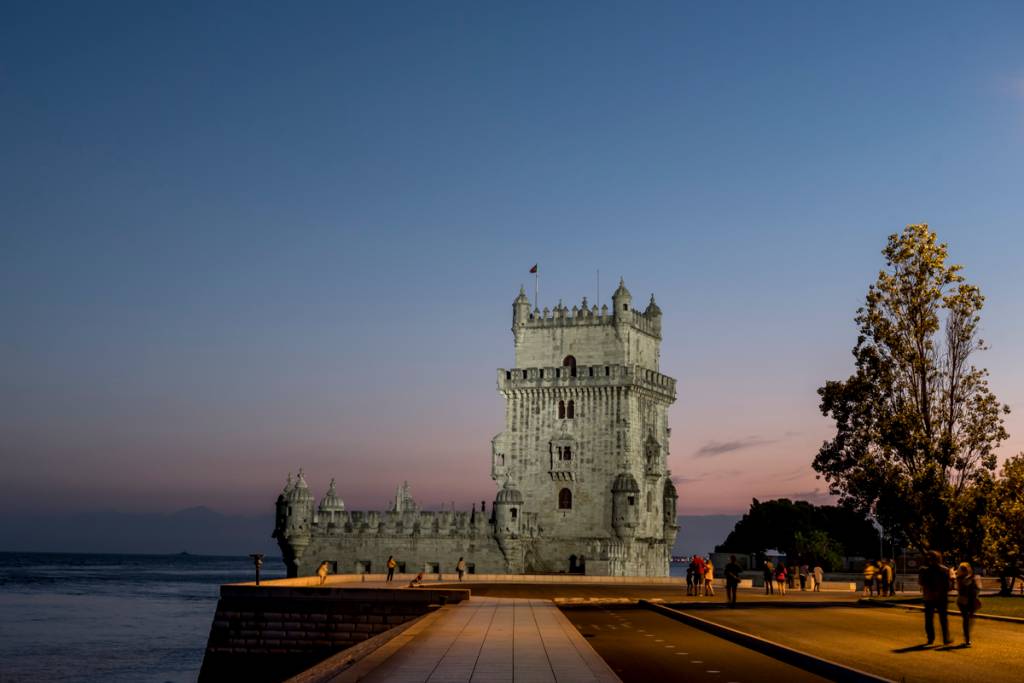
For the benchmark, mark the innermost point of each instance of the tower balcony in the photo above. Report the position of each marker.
(587, 376)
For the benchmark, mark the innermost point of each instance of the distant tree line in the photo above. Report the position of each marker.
(815, 534)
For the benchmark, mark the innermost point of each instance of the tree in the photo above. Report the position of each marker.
(916, 424)
(1004, 522)
(798, 528)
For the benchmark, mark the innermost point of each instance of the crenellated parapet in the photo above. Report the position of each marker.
(517, 379)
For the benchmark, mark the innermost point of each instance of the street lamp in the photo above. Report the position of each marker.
(257, 560)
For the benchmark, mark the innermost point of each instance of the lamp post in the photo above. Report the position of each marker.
(257, 560)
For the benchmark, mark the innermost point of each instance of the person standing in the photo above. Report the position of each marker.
(819, 576)
(804, 571)
(391, 568)
(709, 577)
(460, 567)
(869, 579)
(968, 585)
(780, 578)
(698, 574)
(732, 580)
(691, 570)
(769, 576)
(934, 581)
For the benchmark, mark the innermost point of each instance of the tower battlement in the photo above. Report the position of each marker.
(586, 376)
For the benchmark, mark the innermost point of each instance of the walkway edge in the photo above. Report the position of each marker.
(977, 615)
(367, 655)
(803, 660)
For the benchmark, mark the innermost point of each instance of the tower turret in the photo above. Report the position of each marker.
(520, 310)
(622, 302)
(653, 315)
(331, 505)
(625, 505)
(508, 506)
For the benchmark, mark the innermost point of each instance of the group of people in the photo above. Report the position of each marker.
(700, 576)
(777, 578)
(392, 564)
(879, 579)
(936, 581)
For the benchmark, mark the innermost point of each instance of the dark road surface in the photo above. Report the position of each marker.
(642, 646)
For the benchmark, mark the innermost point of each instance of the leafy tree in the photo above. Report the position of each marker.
(817, 547)
(916, 424)
(1004, 522)
(800, 528)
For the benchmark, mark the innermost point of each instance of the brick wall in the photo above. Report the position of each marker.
(270, 633)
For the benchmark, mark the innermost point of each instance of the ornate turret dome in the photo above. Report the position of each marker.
(300, 491)
(652, 308)
(331, 502)
(622, 291)
(522, 298)
(670, 489)
(625, 483)
(509, 495)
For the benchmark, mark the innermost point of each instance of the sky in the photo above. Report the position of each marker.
(237, 239)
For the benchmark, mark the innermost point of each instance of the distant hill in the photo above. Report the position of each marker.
(198, 530)
(699, 534)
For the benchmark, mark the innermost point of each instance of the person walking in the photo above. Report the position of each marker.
(691, 570)
(819, 576)
(322, 572)
(968, 585)
(391, 564)
(804, 571)
(934, 581)
(460, 567)
(769, 576)
(709, 577)
(732, 580)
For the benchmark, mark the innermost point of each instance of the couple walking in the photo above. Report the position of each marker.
(935, 586)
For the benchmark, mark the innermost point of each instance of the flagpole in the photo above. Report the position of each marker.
(598, 302)
(536, 287)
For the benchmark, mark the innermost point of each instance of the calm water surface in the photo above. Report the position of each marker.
(72, 617)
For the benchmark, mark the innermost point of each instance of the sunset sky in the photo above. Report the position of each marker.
(237, 239)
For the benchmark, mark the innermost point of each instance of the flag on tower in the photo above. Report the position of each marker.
(534, 269)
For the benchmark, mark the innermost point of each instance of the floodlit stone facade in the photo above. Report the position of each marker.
(581, 465)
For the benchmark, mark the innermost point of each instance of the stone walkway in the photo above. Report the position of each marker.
(496, 640)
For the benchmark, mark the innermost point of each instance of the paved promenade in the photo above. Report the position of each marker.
(495, 640)
(886, 641)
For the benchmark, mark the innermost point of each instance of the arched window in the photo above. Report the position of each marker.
(570, 362)
(561, 410)
(565, 499)
(567, 453)
(571, 411)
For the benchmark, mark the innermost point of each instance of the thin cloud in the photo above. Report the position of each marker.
(713, 448)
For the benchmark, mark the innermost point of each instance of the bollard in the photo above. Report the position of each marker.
(257, 559)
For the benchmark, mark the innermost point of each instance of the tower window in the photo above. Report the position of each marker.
(631, 500)
(565, 499)
(567, 453)
(571, 410)
(524, 374)
(570, 362)
(625, 307)
(591, 371)
(561, 410)
(515, 513)
(508, 374)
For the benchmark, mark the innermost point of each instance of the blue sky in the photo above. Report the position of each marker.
(238, 238)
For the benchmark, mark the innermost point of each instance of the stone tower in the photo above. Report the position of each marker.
(586, 437)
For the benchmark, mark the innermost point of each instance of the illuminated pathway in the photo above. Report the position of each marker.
(643, 646)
